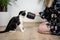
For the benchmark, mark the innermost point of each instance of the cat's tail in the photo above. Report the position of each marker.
(4, 31)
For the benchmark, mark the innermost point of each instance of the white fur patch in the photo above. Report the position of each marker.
(21, 24)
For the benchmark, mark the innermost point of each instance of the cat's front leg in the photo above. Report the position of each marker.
(21, 28)
(21, 24)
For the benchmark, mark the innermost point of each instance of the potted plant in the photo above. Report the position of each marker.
(3, 5)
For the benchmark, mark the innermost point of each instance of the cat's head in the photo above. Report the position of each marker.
(23, 13)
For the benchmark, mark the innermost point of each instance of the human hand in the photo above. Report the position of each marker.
(37, 14)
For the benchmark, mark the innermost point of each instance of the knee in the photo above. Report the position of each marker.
(43, 28)
(43, 31)
(40, 30)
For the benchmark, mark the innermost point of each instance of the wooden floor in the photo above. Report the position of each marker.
(30, 33)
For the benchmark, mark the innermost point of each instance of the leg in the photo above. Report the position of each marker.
(43, 28)
(21, 24)
(21, 28)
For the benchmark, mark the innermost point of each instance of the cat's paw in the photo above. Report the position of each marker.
(22, 30)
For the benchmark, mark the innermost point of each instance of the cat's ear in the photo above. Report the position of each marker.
(23, 13)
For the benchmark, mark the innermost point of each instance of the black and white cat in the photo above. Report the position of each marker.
(14, 22)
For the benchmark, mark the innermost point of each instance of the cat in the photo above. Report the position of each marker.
(13, 23)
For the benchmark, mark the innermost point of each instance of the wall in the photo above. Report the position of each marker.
(4, 17)
(33, 6)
